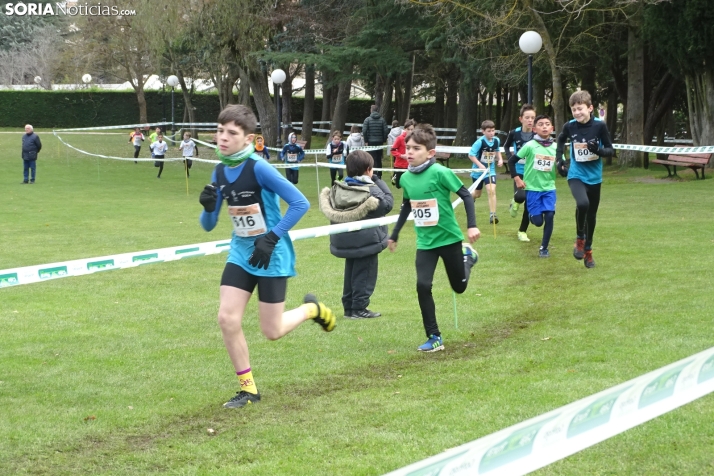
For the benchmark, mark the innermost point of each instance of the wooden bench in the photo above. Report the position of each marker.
(301, 143)
(443, 158)
(693, 161)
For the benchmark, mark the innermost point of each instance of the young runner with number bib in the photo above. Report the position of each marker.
(589, 141)
(516, 139)
(538, 178)
(484, 154)
(261, 253)
(336, 152)
(427, 193)
(292, 153)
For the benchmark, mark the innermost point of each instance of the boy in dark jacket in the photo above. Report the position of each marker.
(362, 196)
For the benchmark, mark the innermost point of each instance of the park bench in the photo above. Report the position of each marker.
(443, 158)
(693, 161)
(301, 143)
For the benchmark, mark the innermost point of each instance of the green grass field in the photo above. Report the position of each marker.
(123, 372)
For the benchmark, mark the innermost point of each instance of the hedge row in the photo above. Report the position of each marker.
(92, 108)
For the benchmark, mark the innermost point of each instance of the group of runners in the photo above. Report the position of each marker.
(261, 253)
(158, 147)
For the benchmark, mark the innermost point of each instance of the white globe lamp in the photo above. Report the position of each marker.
(37, 80)
(172, 81)
(278, 78)
(87, 78)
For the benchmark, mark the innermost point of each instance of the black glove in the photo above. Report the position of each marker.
(562, 169)
(264, 246)
(594, 146)
(209, 197)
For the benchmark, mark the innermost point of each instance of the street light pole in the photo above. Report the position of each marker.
(278, 77)
(530, 43)
(172, 81)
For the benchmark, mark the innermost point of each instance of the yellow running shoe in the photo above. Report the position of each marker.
(325, 317)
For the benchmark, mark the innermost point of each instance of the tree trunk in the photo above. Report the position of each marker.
(407, 98)
(326, 99)
(499, 97)
(660, 103)
(398, 94)
(635, 99)
(141, 99)
(466, 123)
(452, 94)
(378, 91)
(308, 110)
(339, 117)
(557, 100)
(267, 114)
(538, 96)
(611, 117)
(244, 93)
(187, 103)
(438, 118)
(385, 109)
(700, 99)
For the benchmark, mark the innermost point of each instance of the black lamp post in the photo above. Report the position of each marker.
(172, 81)
(530, 43)
(278, 77)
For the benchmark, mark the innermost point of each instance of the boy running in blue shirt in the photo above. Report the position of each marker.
(484, 153)
(427, 190)
(517, 138)
(590, 140)
(261, 252)
(538, 178)
(292, 153)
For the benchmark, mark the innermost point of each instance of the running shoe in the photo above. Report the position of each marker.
(325, 317)
(522, 236)
(494, 219)
(364, 314)
(433, 344)
(470, 254)
(543, 253)
(589, 261)
(242, 399)
(579, 248)
(513, 209)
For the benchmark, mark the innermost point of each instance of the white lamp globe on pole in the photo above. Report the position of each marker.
(530, 43)
(172, 81)
(87, 78)
(37, 80)
(278, 77)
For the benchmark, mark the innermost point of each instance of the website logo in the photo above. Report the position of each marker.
(68, 8)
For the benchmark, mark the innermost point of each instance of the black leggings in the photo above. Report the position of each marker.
(519, 196)
(547, 219)
(292, 175)
(457, 270)
(336, 172)
(587, 201)
(137, 149)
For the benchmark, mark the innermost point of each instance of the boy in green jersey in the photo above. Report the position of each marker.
(538, 178)
(427, 192)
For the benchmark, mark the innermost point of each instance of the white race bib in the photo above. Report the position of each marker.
(426, 212)
(247, 220)
(337, 158)
(292, 157)
(581, 152)
(488, 157)
(544, 163)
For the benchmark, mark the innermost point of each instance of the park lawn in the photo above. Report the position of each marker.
(123, 372)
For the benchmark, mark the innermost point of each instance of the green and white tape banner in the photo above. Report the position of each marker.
(540, 441)
(80, 267)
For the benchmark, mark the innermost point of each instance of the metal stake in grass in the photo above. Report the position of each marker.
(185, 167)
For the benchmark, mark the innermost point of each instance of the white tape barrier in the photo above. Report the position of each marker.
(542, 440)
(168, 159)
(80, 267)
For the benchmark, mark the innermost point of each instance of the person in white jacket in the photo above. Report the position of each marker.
(394, 133)
(354, 140)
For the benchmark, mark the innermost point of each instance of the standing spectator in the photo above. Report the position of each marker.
(354, 140)
(395, 132)
(374, 131)
(360, 197)
(31, 146)
(136, 138)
